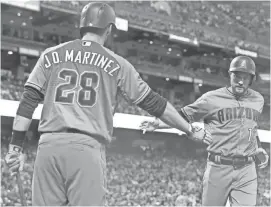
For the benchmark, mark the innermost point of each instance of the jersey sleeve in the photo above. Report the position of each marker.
(37, 78)
(131, 85)
(196, 111)
(261, 103)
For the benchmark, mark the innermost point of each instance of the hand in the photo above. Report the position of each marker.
(149, 125)
(200, 135)
(15, 159)
(263, 157)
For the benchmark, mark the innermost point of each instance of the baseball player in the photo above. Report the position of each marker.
(231, 115)
(79, 82)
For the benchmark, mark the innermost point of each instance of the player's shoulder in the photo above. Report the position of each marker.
(255, 94)
(111, 53)
(214, 93)
(121, 60)
(55, 48)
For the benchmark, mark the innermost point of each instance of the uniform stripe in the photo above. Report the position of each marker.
(186, 115)
(34, 85)
(142, 96)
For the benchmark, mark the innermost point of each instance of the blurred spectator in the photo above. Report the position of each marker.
(12, 89)
(136, 180)
(201, 19)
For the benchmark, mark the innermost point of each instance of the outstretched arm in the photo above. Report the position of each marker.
(161, 124)
(156, 123)
(172, 118)
(138, 92)
(169, 115)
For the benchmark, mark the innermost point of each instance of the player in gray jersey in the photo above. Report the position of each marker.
(79, 82)
(231, 115)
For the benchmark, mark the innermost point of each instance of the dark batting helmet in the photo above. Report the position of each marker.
(243, 64)
(96, 15)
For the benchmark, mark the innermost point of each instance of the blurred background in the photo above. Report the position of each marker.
(181, 49)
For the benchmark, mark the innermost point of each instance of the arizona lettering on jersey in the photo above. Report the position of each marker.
(228, 114)
(232, 122)
(80, 81)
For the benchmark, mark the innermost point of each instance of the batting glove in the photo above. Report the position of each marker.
(199, 134)
(263, 157)
(15, 159)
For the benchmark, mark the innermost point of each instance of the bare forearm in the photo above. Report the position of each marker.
(163, 125)
(159, 107)
(172, 118)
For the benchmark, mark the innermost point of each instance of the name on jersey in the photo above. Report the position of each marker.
(228, 114)
(85, 58)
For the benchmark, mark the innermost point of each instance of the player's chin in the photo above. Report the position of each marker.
(239, 90)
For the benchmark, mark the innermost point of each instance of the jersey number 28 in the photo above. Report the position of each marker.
(86, 95)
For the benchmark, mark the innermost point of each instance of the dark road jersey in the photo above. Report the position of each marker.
(80, 81)
(232, 123)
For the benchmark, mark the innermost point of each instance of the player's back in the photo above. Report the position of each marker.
(81, 89)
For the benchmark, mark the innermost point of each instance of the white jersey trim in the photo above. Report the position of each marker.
(146, 92)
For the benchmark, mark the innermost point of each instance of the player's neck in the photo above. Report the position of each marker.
(236, 95)
(93, 38)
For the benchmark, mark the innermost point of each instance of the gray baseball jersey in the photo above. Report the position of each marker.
(232, 122)
(80, 81)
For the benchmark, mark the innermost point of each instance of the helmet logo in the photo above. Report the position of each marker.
(243, 64)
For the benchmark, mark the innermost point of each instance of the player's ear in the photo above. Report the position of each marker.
(109, 30)
(106, 33)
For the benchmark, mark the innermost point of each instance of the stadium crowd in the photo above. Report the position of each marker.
(136, 179)
(254, 16)
(238, 23)
(200, 20)
(11, 89)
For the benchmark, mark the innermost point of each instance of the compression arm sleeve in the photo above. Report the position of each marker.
(154, 104)
(30, 99)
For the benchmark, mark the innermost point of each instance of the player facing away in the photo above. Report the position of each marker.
(79, 82)
(230, 114)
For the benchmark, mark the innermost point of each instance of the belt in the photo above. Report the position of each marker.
(76, 131)
(234, 161)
